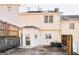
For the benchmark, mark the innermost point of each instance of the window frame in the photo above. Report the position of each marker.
(48, 36)
(49, 19)
(36, 36)
(46, 19)
(72, 26)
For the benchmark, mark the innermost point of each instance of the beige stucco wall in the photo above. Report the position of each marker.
(37, 20)
(55, 37)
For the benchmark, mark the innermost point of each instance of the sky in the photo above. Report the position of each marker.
(67, 9)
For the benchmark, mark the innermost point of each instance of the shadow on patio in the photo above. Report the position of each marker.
(39, 50)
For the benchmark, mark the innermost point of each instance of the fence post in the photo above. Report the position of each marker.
(6, 34)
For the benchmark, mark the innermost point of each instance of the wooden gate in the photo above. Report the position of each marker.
(67, 42)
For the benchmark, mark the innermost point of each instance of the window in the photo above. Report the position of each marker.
(27, 39)
(48, 19)
(48, 36)
(35, 36)
(71, 25)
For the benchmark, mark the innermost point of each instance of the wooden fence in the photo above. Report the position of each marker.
(8, 30)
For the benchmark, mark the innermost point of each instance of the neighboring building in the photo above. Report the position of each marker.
(9, 33)
(70, 26)
(9, 13)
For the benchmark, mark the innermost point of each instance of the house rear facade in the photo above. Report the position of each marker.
(41, 28)
(52, 27)
(48, 24)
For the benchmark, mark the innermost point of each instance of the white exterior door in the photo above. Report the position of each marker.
(27, 39)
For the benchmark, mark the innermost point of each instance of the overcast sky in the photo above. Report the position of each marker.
(67, 9)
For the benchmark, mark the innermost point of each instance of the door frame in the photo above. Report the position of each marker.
(69, 47)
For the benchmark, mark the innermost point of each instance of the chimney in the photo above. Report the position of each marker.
(56, 9)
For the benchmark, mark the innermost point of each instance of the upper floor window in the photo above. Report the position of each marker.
(45, 19)
(48, 19)
(72, 26)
